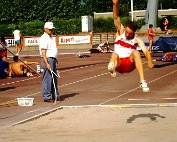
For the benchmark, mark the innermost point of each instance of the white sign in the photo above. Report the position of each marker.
(74, 39)
(32, 41)
(10, 42)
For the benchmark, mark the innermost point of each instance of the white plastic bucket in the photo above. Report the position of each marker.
(25, 101)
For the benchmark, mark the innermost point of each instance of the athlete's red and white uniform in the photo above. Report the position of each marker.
(124, 48)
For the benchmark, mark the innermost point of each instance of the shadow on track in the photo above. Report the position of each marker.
(164, 65)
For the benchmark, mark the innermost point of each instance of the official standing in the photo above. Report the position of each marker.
(48, 51)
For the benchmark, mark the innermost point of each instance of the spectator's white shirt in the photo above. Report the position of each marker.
(48, 43)
(16, 35)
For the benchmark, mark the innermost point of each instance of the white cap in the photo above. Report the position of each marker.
(49, 25)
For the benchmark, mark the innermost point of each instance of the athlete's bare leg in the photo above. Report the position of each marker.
(16, 48)
(19, 48)
(136, 57)
(114, 62)
(150, 46)
(114, 59)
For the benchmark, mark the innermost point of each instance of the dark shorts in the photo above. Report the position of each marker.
(17, 42)
(126, 65)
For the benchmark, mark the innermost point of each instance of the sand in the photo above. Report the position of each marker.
(98, 124)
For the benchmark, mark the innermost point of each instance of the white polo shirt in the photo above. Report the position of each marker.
(48, 43)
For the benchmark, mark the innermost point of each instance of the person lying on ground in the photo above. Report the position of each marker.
(18, 68)
(168, 57)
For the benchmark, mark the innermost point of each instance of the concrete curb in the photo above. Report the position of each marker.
(125, 105)
(36, 116)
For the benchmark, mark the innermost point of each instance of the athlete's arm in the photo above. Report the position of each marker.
(116, 17)
(30, 63)
(10, 70)
(145, 51)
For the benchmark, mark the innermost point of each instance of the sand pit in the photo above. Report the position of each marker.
(98, 124)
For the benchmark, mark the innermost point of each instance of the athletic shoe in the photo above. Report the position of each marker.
(144, 86)
(111, 69)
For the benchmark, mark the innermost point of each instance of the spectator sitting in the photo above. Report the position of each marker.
(18, 68)
(3, 68)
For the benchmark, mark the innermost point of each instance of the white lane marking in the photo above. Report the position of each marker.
(37, 116)
(119, 96)
(137, 99)
(78, 81)
(15, 100)
(137, 88)
(152, 99)
(169, 98)
(19, 81)
(77, 68)
(124, 105)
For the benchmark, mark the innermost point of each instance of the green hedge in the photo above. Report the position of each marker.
(72, 26)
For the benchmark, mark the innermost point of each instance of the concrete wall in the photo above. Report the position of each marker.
(138, 14)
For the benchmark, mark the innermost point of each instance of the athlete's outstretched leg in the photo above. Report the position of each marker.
(136, 57)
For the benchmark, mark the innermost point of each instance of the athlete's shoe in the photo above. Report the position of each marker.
(144, 86)
(111, 69)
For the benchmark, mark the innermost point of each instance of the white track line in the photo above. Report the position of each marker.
(37, 116)
(19, 81)
(77, 68)
(152, 99)
(125, 105)
(137, 88)
(78, 81)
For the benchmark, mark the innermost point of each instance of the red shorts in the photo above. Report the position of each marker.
(126, 65)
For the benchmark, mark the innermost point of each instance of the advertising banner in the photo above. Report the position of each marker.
(74, 39)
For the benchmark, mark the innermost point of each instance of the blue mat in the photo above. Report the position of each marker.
(165, 44)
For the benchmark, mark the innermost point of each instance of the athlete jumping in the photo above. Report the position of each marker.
(125, 57)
